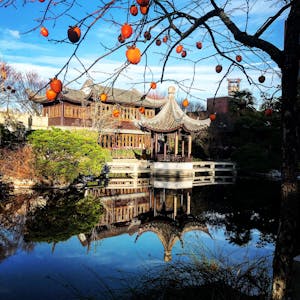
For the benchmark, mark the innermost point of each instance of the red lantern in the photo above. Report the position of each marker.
(142, 110)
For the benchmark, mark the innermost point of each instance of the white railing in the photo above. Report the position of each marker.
(202, 172)
(212, 172)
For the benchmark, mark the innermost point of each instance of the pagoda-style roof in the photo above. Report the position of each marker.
(170, 231)
(172, 117)
(90, 92)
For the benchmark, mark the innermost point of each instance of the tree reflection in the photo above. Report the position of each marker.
(63, 216)
(13, 212)
(240, 208)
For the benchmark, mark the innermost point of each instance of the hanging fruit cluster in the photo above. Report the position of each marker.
(181, 50)
(144, 6)
(74, 33)
(54, 90)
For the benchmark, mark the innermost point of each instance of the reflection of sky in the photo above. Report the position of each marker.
(42, 274)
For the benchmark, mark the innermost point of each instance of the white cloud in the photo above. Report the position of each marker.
(14, 33)
(18, 45)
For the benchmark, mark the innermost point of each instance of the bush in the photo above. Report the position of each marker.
(61, 156)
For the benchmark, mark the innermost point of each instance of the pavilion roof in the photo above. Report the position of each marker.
(91, 91)
(171, 117)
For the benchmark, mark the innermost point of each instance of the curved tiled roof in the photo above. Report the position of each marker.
(172, 117)
(90, 91)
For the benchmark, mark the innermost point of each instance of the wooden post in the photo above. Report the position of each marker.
(155, 145)
(176, 143)
(189, 146)
(165, 151)
(175, 206)
(182, 147)
(188, 204)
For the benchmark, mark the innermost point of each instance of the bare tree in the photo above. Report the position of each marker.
(13, 89)
(179, 23)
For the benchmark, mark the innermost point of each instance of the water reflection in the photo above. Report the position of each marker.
(101, 219)
(165, 212)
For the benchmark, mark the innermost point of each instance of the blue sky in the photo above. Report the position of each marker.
(22, 46)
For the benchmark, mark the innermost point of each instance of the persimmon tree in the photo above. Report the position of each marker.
(175, 30)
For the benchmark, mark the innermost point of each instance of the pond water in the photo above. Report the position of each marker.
(100, 244)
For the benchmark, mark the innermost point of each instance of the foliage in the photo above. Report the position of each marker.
(17, 163)
(247, 136)
(256, 140)
(210, 278)
(12, 132)
(241, 101)
(127, 153)
(61, 156)
(63, 217)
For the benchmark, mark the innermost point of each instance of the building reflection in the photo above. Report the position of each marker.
(164, 209)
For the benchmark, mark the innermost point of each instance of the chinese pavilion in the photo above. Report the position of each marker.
(171, 131)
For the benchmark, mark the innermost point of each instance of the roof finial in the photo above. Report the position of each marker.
(171, 92)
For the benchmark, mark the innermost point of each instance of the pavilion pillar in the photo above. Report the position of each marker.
(155, 144)
(188, 204)
(176, 143)
(165, 150)
(152, 147)
(175, 206)
(189, 146)
(182, 147)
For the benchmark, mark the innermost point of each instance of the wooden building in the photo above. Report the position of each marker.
(114, 118)
(126, 119)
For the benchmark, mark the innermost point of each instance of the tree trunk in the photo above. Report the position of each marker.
(286, 242)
